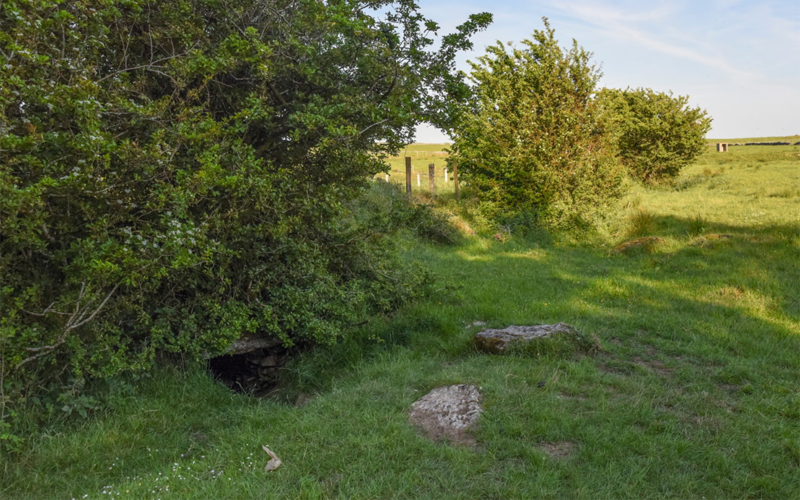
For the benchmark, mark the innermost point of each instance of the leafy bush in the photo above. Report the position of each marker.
(533, 139)
(657, 134)
(386, 208)
(175, 174)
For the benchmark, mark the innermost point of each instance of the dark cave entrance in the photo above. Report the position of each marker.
(254, 373)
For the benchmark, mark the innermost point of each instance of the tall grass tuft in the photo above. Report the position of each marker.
(697, 225)
(642, 223)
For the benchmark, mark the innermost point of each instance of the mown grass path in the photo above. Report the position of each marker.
(695, 395)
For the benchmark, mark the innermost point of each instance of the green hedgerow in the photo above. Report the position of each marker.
(176, 174)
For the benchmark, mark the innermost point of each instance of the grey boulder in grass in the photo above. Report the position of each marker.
(498, 341)
(447, 413)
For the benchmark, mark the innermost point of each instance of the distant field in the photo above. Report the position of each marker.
(417, 146)
(746, 162)
(421, 156)
(785, 138)
(749, 186)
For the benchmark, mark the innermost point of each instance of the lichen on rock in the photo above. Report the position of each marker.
(447, 413)
(535, 339)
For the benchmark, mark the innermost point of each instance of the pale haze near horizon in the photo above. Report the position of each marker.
(739, 60)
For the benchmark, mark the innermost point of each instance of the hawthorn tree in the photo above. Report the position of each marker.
(657, 134)
(533, 140)
(175, 174)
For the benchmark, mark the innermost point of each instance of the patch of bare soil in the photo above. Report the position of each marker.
(731, 292)
(647, 243)
(612, 370)
(704, 422)
(616, 340)
(558, 450)
(655, 366)
(303, 399)
(707, 240)
(569, 395)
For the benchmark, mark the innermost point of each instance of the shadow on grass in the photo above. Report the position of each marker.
(678, 227)
(702, 299)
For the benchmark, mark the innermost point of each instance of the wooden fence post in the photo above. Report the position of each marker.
(408, 176)
(419, 182)
(431, 178)
(445, 175)
(455, 177)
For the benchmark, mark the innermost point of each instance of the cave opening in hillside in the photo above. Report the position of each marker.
(255, 373)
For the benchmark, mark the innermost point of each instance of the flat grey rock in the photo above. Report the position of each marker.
(497, 341)
(246, 344)
(446, 413)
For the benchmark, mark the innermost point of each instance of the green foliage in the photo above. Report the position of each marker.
(386, 207)
(174, 174)
(533, 140)
(657, 134)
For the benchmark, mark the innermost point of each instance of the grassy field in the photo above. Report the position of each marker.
(421, 156)
(783, 138)
(696, 393)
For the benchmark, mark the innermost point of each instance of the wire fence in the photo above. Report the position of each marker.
(426, 175)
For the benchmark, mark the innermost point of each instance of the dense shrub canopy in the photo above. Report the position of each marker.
(657, 134)
(173, 173)
(533, 140)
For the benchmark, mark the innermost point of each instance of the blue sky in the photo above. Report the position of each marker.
(740, 60)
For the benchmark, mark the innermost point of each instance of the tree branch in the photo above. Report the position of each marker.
(77, 319)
